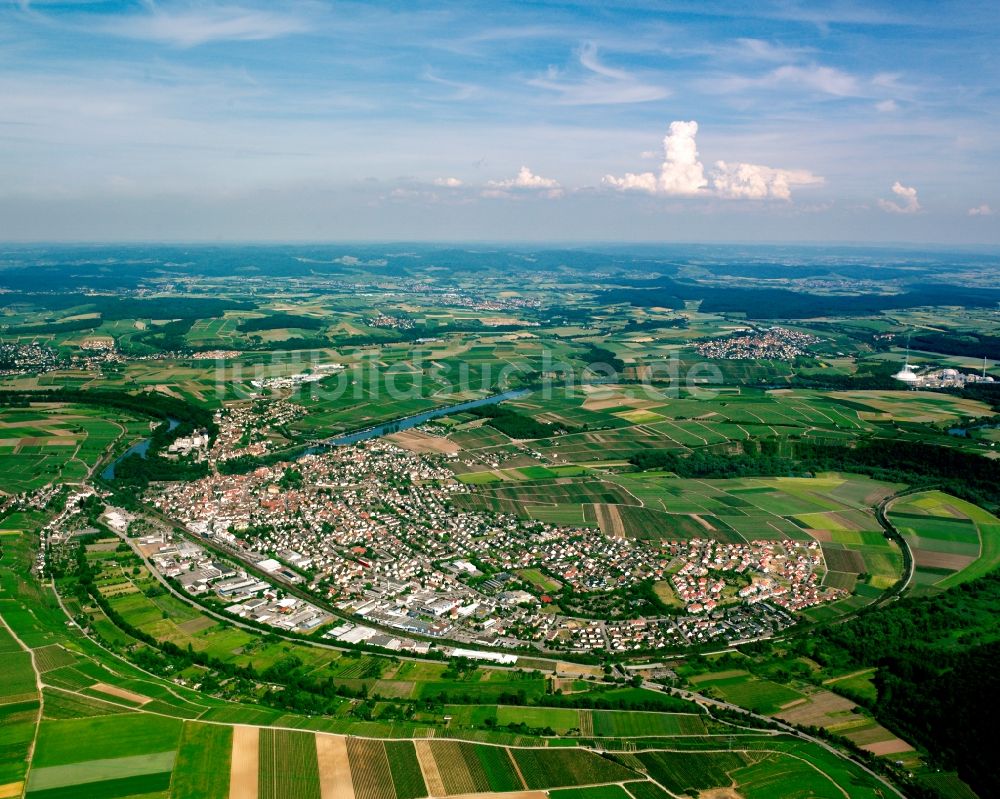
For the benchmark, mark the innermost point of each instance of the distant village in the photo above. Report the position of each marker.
(770, 344)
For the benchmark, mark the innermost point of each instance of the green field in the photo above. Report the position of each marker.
(745, 690)
(546, 768)
(202, 768)
(288, 765)
(617, 723)
(81, 740)
(558, 719)
(60, 445)
(953, 541)
(407, 778)
(689, 771)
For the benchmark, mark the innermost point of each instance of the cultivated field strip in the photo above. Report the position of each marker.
(501, 771)
(53, 657)
(429, 768)
(454, 767)
(407, 776)
(245, 765)
(335, 780)
(552, 768)
(370, 769)
(288, 765)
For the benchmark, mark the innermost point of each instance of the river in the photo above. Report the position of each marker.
(395, 425)
(140, 448)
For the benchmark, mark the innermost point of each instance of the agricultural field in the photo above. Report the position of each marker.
(952, 541)
(53, 444)
(616, 723)
(552, 768)
(743, 689)
(72, 756)
(841, 716)
(202, 765)
(289, 768)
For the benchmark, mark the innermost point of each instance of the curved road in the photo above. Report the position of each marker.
(708, 702)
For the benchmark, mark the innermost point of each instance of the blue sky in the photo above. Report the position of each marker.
(673, 121)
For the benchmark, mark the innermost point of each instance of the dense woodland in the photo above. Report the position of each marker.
(514, 424)
(967, 343)
(937, 679)
(780, 303)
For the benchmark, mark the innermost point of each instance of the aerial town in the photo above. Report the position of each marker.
(372, 532)
(252, 428)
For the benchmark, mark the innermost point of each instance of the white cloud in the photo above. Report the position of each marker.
(981, 210)
(459, 90)
(526, 180)
(810, 78)
(762, 50)
(602, 85)
(756, 182)
(907, 194)
(450, 183)
(887, 106)
(826, 80)
(190, 28)
(681, 173)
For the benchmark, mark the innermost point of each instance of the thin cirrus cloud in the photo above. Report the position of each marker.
(197, 26)
(600, 84)
(908, 202)
(683, 174)
(811, 78)
(826, 80)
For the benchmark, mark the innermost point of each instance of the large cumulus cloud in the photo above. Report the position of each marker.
(683, 174)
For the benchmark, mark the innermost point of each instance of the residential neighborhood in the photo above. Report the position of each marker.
(373, 532)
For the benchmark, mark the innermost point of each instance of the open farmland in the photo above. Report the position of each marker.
(745, 690)
(626, 491)
(288, 765)
(952, 540)
(59, 444)
(202, 766)
(72, 756)
(551, 768)
(616, 723)
(691, 772)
